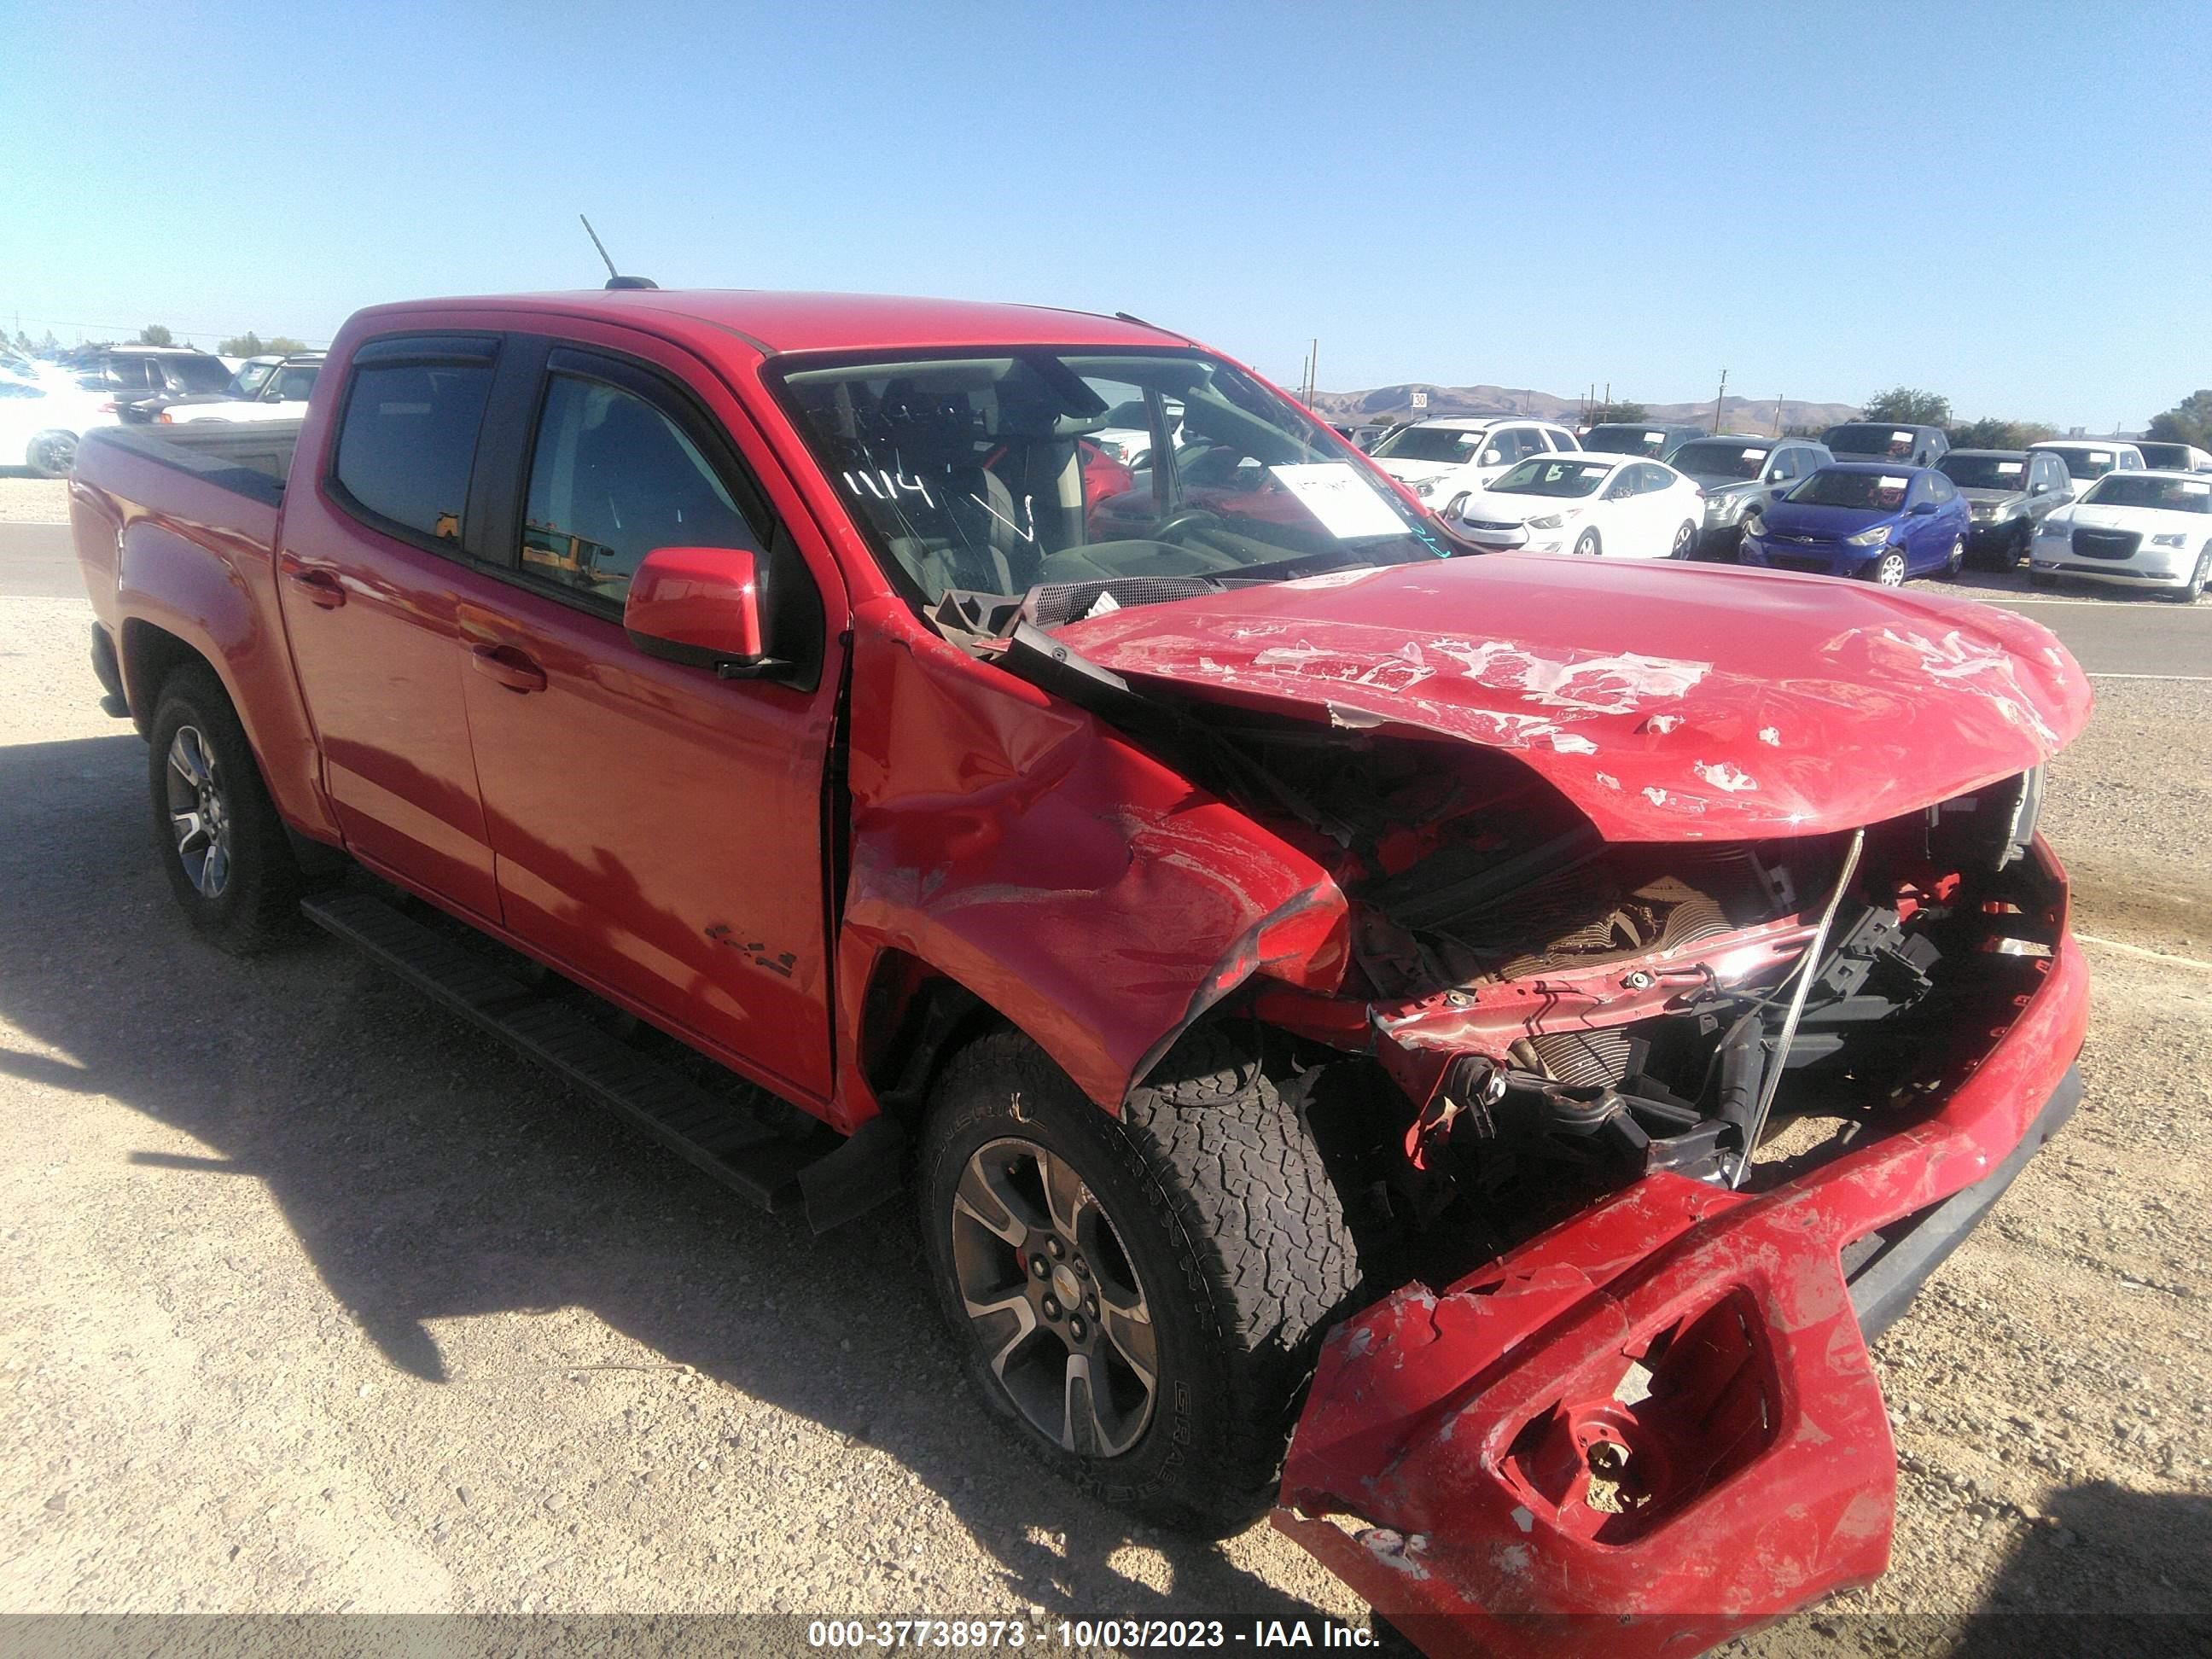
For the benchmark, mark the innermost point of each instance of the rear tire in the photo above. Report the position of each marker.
(1955, 561)
(1205, 1205)
(1686, 541)
(222, 846)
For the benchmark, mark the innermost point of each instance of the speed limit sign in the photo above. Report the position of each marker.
(1420, 400)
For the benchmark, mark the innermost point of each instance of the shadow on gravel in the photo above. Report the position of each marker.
(430, 1176)
(2119, 1572)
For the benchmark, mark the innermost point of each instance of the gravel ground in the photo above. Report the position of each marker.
(311, 1298)
(26, 500)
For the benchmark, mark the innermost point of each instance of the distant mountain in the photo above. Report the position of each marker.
(1395, 403)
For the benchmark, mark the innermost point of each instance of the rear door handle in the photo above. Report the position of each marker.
(508, 666)
(318, 584)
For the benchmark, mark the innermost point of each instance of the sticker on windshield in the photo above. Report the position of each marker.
(1346, 503)
(2006, 469)
(2096, 455)
(2189, 489)
(1655, 437)
(1901, 437)
(1754, 455)
(1894, 483)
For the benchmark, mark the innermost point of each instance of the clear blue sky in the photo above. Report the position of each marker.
(2004, 204)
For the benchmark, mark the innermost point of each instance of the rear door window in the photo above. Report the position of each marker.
(408, 442)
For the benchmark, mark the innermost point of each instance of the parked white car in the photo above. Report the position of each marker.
(1620, 506)
(1126, 437)
(2088, 459)
(1439, 459)
(2146, 530)
(282, 396)
(42, 419)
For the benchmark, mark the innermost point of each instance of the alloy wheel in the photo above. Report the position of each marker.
(199, 815)
(1957, 560)
(1054, 1299)
(52, 453)
(1684, 539)
(1889, 569)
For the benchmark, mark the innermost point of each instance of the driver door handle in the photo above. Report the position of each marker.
(318, 584)
(508, 666)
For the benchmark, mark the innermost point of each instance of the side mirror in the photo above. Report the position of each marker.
(700, 606)
(1921, 511)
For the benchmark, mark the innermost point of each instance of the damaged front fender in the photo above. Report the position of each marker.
(1085, 891)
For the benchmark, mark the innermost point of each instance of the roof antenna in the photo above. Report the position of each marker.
(614, 279)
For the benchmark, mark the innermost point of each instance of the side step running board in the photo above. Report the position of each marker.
(721, 1137)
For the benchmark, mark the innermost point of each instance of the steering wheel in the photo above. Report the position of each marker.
(1191, 518)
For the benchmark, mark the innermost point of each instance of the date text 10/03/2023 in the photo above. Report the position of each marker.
(1124, 1634)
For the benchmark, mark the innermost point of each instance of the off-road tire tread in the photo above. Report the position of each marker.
(1269, 1227)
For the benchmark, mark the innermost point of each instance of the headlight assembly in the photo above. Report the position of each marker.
(1874, 537)
(2169, 541)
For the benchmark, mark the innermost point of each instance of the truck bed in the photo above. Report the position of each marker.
(251, 459)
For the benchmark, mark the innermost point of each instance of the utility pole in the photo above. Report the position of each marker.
(1719, 399)
(1778, 414)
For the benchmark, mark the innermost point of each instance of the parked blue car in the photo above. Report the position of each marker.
(1865, 519)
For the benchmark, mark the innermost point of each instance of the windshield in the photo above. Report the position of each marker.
(1429, 443)
(1891, 442)
(1647, 441)
(2167, 494)
(2087, 460)
(1985, 471)
(1711, 458)
(1552, 475)
(2171, 458)
(979, 474)
(1874, 492)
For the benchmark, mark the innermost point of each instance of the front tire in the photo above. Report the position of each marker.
(1888, 570)
(1588, 547)
(2023, 544)
(2198, 578)
(222, 846)
(1140, 1300)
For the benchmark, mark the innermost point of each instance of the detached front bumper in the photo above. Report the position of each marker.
(1658, 1424)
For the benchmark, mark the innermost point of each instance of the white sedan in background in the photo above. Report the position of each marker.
(41, 420)
(1620, 506)
(2144, 530)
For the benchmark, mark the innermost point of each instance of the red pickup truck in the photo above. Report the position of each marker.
(1462, 1051)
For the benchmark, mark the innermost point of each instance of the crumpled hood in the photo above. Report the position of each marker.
(1668, 702)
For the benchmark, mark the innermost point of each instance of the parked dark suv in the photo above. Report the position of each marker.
(1887, 440)
(2011, 493)
(1738, 473)
(1654, 441)
(140, 377)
